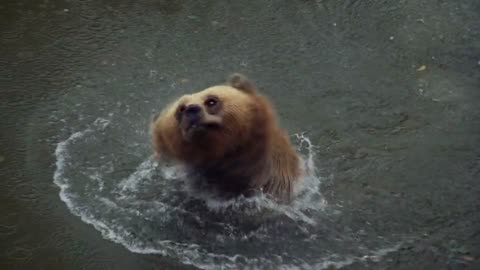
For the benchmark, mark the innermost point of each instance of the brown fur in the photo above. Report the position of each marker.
(238, 149)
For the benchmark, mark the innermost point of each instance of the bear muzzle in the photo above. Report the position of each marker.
(193, 113)
(195, 123)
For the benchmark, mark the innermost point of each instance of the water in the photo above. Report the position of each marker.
(394, 145)
(114, 184)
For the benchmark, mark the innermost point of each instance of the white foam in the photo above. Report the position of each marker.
(338, 261)
(144, 170)
(62, 155)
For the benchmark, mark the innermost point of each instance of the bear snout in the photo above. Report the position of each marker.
(193, 114)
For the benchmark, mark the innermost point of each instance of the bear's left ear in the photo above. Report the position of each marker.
(242, 83)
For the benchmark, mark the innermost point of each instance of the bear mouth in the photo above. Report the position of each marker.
(198, 129)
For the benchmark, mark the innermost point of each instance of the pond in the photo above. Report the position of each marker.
(381, 98)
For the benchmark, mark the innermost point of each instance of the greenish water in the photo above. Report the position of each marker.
(386, 91)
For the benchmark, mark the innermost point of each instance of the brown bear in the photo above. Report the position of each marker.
(229, 139)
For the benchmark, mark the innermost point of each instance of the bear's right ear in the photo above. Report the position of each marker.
(242, 83)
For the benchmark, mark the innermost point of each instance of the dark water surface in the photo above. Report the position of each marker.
(387, 92)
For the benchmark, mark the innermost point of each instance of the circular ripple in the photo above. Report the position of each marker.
(145, 206)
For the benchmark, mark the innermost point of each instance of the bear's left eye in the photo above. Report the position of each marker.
(210, 102)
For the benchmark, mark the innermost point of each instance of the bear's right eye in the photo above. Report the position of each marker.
(179, 112)
(181, 108)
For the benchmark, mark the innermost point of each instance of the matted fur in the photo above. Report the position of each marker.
(245, 153)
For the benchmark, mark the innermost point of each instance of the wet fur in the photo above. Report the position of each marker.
(251, 153)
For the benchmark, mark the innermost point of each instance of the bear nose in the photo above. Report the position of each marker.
(192, 111)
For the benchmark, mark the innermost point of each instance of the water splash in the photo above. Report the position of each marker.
(147, 208)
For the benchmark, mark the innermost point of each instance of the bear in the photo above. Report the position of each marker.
(229, 139)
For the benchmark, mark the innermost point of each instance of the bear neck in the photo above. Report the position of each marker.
(235, 174)
(243, 168)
